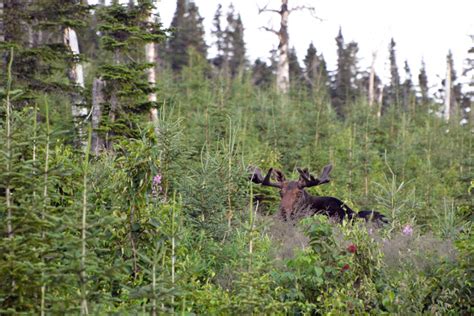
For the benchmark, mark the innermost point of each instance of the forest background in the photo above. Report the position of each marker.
(123, 170)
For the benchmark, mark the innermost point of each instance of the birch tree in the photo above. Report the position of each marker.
(150, 53)
(76, 76)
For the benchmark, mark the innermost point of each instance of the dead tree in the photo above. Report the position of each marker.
(76, 76)
(98, 98)
(372, 80)
(448, 89)
(150, 53)
(283, 68)
(2, 29)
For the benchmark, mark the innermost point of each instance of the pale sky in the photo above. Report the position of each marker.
(416, 25)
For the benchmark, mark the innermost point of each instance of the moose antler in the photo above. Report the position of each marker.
(256, 177)
(307, 180)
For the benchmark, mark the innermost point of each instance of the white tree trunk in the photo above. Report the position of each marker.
(97, 142)
(447, 90)
(283, 70)
(380, 102)
(150, 52)
(372, 80)
(76, 75)
(2, 24)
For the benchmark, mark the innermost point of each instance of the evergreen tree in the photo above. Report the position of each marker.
(188, 28)
(41, 61)
(316, 72)
(340, 83)
(235, 44)
(467, 110)
(44, 35)
(218, 33)
(423, 84)
(344, 86)
(407, 87)
(296, 72)
(393, 90)
(127, 88)
(262, 74)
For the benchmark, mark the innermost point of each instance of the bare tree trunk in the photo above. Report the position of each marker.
(97, 143)
(2, 27)
(447, 90)
(150, 52)
(283, 67)
(76, 75)
(372, 80)
(283, 70)
(114, 106)
(380, 102)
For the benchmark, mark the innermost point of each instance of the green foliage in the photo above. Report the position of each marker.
(188, 34)
(124, 27)
(172, 220)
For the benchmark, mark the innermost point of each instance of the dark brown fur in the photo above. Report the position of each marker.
(296, 203)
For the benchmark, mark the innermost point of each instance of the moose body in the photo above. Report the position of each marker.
(296, 203)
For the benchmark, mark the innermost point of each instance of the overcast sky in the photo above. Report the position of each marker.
(421, 28)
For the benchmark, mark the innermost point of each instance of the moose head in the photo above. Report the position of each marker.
(293, 196)
(296, 202)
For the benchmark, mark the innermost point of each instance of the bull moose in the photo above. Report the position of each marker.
(297, 203)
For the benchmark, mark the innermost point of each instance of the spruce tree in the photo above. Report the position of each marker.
(176, 47)
(393, 90)
(296, 72)
(344, 85)
(125, 32)
(262, 74)
(36, 29)
(188, 31)
(340, 83)
(468, 71)
(235, 44)
(407, 87)
(316, 73)
(423, 84)
(218, 34)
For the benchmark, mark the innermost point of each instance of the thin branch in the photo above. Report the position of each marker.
(268, 29)
(311, 10)
(266, 9)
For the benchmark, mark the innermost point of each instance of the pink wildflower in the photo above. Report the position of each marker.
(407, 230)
(156, 185)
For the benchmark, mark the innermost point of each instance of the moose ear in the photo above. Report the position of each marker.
(280, 177)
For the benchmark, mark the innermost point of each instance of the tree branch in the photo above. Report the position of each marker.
(268, 29)
(311, 10)
(265, 9)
